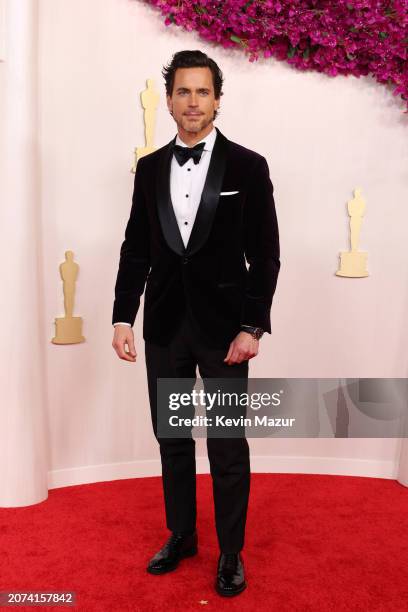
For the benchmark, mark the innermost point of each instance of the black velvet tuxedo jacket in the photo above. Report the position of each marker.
(210, 278)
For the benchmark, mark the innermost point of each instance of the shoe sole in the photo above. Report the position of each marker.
(230, 593)
(157, 572)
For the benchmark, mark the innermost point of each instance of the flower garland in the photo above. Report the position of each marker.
(357, 37)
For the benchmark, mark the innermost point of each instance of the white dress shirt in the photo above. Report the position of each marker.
(186, 186)
(187, 183)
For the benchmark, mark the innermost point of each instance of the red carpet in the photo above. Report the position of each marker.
(312, 543)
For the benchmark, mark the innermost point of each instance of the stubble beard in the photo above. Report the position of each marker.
(193, 127)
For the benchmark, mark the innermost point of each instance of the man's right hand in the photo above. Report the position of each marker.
(122, 337)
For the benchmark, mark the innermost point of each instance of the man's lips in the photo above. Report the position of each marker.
(193, 114)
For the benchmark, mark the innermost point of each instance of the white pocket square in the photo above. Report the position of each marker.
(228, 192)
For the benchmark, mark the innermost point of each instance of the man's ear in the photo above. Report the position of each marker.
(169, 104)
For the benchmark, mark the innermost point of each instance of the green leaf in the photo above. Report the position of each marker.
(291, 51)
(383, 35)
(245, 6)
(200, 9)
(236, 39)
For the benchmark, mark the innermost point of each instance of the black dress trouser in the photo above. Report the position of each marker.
(228, 457)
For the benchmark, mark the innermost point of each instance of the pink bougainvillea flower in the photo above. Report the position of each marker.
(357, 37)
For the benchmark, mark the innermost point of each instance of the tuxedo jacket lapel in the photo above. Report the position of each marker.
(208, 203)
(167, 217)
(210, 195)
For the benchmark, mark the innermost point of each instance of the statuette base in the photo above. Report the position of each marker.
(68, 330)
(353, 264)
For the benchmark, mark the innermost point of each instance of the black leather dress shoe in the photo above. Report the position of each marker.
(230, 575)
(178, 546)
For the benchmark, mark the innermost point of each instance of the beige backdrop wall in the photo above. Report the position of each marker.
(322, 137)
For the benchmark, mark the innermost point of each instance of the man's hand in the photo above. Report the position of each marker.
(123, 336)
(243, 347)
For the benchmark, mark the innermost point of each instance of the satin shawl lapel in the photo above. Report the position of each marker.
(208, 203)
(167, 217)
(210, 195)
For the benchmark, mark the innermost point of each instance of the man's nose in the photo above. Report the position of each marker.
(193, 100)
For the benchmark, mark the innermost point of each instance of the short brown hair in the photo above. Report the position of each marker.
(193, 59)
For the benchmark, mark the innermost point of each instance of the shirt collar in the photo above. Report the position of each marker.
(209, 140)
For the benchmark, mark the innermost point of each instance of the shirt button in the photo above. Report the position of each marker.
(185, 222)
(189, 169)
(186, 195)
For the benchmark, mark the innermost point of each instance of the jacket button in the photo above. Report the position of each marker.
(185, 260)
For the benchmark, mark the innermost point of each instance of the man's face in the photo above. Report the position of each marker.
(192, 100)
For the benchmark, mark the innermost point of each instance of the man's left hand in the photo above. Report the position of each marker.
(243, 347)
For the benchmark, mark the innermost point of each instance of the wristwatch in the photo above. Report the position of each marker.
(256, 332)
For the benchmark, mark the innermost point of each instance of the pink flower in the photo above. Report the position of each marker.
(356, 37)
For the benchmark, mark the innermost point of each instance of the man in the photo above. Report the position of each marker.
(201, 206)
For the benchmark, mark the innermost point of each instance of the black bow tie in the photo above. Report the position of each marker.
(183, 154)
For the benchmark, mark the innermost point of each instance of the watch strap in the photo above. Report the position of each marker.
(256, 332)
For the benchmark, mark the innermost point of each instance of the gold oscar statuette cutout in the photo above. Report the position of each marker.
(150, 100)
(68, 328)
(353, 263)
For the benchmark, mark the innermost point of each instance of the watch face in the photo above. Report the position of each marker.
(256, 332)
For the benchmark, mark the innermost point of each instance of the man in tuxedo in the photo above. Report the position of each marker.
(203, 236)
